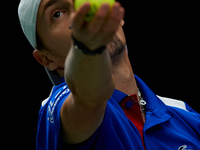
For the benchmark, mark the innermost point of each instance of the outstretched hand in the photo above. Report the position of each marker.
(101, 29)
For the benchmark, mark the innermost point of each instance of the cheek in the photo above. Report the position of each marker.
(61, 50)
(59, 43)
(60, 40)
(62, 37)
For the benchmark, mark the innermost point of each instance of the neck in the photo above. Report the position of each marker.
(123, 75)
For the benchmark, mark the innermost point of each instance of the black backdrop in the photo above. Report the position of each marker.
(163, 45)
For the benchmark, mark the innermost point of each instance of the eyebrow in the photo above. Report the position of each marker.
(48, 4)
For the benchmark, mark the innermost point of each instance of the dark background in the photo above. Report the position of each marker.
(163, 43)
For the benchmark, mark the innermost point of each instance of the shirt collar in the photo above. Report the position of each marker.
(156, 111)
(62, 80)
(148, 95)
(118, 95)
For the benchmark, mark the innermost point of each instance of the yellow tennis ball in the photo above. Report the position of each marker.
(94, 6)
(110, 2)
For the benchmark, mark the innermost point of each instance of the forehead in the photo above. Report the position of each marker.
(47, 3)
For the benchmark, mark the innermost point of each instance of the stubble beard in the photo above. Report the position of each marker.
(116, 47)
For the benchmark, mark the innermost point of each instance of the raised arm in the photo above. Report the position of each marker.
(89, 77)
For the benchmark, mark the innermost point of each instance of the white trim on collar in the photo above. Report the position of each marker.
(173, 102)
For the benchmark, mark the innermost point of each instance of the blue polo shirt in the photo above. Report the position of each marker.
(170, 124)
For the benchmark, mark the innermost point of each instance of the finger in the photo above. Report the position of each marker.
(116, 14)
(114, 19)
(95, 25)
(79, 18)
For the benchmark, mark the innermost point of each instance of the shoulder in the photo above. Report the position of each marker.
(51, 106)
(56, 93)
(53, 103)
(180, 109)
(49, 117)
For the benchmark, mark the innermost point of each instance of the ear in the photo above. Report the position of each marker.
(42, 58)
(122, 23)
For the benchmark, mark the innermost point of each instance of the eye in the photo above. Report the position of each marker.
(57, 15)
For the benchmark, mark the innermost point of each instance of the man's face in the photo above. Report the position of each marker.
(53, 22)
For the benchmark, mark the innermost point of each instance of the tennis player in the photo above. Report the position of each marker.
(97, 102)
